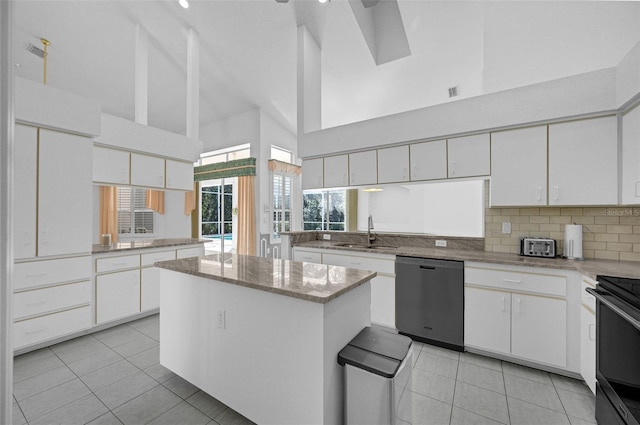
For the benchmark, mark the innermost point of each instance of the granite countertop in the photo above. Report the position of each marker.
(307, 281)
(589, 267)
(144, 244)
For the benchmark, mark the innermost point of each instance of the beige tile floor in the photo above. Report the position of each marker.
(114, 377)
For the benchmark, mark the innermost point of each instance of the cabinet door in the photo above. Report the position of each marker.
(110, 166)
(539, 329)
(25, 160)
(393, 164)
(336, 171)
(588, 347)
(487, 319)
(383, 300)
(631, 157)
(429, 160)
(147, 170)
(179, 175)
(117, 295)
(312, 174)
(469, 156)
(519, 167)
(64, 194)
(150, 288)
(583, 162)
(363, 168)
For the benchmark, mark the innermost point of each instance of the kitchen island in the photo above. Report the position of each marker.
(262, 335)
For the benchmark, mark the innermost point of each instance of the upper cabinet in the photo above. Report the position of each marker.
(363, 168)
(110, 166)
(469, 156)
(179, 175)
(336, 171)
(25, 162)
(428, 160)
(583, 162)
(519, 167)
(147, 171)
(312, 174)
(631, 157)
(393, 164)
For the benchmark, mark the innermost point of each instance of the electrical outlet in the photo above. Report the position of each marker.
(326, 237)
(222, 320)
(506, 227)
(441, 242)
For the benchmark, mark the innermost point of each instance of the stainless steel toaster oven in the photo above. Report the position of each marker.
(538, 247)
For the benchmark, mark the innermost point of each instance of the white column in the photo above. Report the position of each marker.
(141, 78)
(6, 219)
(193, 84)
(309, 83)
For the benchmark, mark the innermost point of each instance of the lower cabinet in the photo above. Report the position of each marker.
(501, 319)
(588, 335)
(117, 295)
(51, 326)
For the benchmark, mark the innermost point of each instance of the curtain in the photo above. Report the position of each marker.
(109, 212)
(195, 213)
(190, 199)
(155, 200)
(246, 215)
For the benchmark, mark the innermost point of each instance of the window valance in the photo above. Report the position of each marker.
(284, 167)
(220, 170)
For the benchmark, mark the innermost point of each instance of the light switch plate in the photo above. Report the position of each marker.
(441, 242)
(326, 237)
(506, 227)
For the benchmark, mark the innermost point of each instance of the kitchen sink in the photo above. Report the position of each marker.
(360, 246)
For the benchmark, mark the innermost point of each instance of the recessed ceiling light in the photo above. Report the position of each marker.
(324, 1)
(184, 3)
(17, 65)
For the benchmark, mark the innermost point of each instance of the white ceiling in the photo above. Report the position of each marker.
(248, 52)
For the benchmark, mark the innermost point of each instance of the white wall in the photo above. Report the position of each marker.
(447, 209)
(236, 130)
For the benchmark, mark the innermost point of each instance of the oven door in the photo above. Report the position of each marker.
(617, 356)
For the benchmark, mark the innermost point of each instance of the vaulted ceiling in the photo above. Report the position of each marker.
(248, 52)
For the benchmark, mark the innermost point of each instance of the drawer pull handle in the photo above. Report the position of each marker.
(36, 274)
(511, 280)
(36, 331)
(504, 304)
(592, 331)
(37, 302)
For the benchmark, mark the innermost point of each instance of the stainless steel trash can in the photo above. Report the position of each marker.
(377, 369)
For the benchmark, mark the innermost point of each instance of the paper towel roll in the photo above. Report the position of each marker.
(573, 241)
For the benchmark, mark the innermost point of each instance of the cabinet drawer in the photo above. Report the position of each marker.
(117, 263)
(32, 331)
(39, 301)
(190, 252)
(47, 272)
(307, 256)
(362, 263)
(517, 281)
(152, 257)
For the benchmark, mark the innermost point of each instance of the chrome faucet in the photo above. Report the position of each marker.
(370, 237)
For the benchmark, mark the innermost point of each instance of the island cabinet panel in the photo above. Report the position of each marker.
(64, 194)
(117, 295)
(428, 160)
(631, 157)
(519, 167)
(24, 200)
(393, 164)
(179, 175)
(147, 171)
(363, 168)
(336, 171)
(583, 162)
(110, 166)
(469, 156)
(312, 174)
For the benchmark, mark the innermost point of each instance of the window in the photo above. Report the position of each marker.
(224, 155)
(281, 154)
(134, 218)
(324, 210)
(281, 203)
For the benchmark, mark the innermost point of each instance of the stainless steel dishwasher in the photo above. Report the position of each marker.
(430, 300)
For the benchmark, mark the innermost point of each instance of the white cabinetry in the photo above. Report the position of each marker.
(307, 256)
(429, 160)
(312, 173)
(588, 335)
(521, 314)
(393, 164)
(110, 166)
(631, 157)
(469, 156)
(519, 167)
(117, 295)
(179, 175)
(583, 162)
(24, 193)
(147, 171)
(336, 171)
(363, 168)
(150, 278)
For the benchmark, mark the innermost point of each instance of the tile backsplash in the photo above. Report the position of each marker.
(610, 233)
